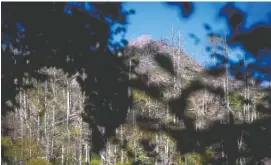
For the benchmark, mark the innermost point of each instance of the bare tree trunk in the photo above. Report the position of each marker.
(108, 155)
(254, 112)
(21, 115)
(38, 129)
(53, 115)
(135, 133)
(185, 159)
(67, 115)
(46, 132)
(240, 143)
(86, 147)
(30, 138)
(62, 154)
(202, 110)
(157, 148)
(166, 149)
(226, 80)
(115, 154)
(68, 106)
(167, 140)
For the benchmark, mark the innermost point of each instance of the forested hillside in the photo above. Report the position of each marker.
(105, 103)
(50, 125)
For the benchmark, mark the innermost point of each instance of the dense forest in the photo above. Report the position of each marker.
(105, 103)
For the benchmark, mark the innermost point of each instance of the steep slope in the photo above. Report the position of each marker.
(147, 49)
(205, 106)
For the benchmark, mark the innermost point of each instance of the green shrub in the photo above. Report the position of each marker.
(7, 147)
(19, 149)
(189, 114)
(195, 158)
(95, 160)
(236, 101)
(139, 95)
(38, 162)
(75, 132)
(130, 162)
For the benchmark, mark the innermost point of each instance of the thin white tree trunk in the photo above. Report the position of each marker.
(38, 129)
(226, 80)
(67, 115)
(68, 106)
(30, 139)
(185, 159)
(115, 154)
(46, 132)
(167, 140)
(108, 153)
(167, 148)
(248, 105)
(121, 137)
(157, 148)
(62, 154)
(86, 147)
(53, 115)
(21, 115)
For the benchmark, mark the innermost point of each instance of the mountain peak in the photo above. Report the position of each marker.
(152, 47)
(141, 41)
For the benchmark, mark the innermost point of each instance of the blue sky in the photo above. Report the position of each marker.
(157, 19)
